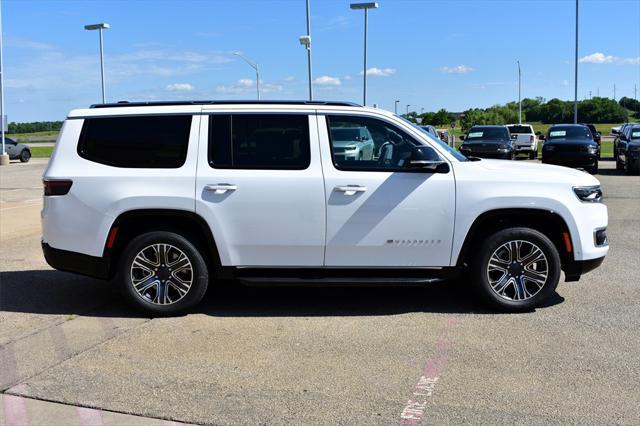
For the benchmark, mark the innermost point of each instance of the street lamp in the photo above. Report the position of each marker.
(366, 7)
(575, 94)
(519, 98)
(408, 109)
(396, 107)
(4, 158)
(255, 67)
(306, 41)
(100, 27)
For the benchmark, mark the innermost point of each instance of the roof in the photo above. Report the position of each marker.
(212, 102)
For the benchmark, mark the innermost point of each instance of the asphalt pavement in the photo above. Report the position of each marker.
(320, 355)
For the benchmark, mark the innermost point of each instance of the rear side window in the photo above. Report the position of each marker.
(136, 142)
(259, 141)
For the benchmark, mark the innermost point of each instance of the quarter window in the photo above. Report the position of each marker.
(136, 142)
(259, 141)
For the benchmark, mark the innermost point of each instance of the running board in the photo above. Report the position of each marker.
(343, 281)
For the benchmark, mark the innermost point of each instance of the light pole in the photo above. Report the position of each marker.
(408, 109)
(4, 158)
(306, 42)
(396, 107)
(255, 67)
(421, 111)
(575, 94)
(366, 7)
(519, 96)
(100, 27)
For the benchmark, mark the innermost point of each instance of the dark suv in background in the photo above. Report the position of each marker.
(628, 150)
(571, 145)
(488, 142)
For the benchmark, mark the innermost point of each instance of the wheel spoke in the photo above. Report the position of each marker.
(178, 286)
(181, 263)
(144, 263)
(502, 284)
(145, 284)
(535, 277)
(533, 257)
(521, 292)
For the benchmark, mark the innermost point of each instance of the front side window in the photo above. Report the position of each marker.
(159, 141)
(259, 141)
(363, 143)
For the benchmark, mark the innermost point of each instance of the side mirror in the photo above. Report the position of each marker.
(461, 137)
(426, 159)
(623, 137)
(615, 132)
(542, 137)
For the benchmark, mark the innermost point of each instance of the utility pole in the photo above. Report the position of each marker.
(396, 107)
(309, 52)
(408, 109)
(4, 158)
(519, 97)
(614, 91)
(575, 94)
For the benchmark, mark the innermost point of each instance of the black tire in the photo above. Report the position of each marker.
(532, 155)
(535, 154)
(632, 168)
(594, 169)
(619, 164)
(481, 274)
(25, 156)
(199, 274)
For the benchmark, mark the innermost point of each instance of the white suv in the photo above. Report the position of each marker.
(168, 198)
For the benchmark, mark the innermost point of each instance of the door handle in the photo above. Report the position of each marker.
(351, 189)
(221, 188)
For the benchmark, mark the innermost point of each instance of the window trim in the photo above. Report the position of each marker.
(233, 167)
(81, 145)
(371, 169)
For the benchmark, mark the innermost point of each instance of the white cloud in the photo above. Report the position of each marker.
(179, 87)
(460, 69)
(245, 82)
(289, 78)
(346, 77)
(247, 86)
(380, 72)
(596, 58)
(564, 82)
(326, 80)
(601, 58)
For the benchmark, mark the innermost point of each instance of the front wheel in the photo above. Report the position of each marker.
(25, 156)
(163, 273)
(517, 269)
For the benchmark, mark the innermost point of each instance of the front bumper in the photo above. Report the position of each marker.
(571, 159)
(491, 154)
(574, 269)
(78, 263)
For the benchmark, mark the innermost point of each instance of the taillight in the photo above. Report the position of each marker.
(56, 187)
(531, 139)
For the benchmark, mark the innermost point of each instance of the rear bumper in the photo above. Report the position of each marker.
(576, 268)
(78, 263)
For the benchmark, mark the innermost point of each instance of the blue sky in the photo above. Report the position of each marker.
(429, 54)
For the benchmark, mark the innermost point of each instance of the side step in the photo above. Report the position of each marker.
(343, 281)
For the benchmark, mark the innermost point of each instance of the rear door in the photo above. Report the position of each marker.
(259, 187)
(380, 213)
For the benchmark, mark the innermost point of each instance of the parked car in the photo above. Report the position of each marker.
(597, 137)
(616, 141)
(430, 129)
(571, 145)
(210, 191)
(17, 151)
(628, 150)
(524, 139)
(352, 143)
(488, 142)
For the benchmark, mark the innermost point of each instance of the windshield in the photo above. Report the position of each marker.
(450, 150)
(569, 132)
(520, 129)
(479, 134)
(635, 133)
(346, 134)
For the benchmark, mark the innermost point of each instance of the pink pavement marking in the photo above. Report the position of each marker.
(89, 416)
(15, 411)
(433, 369)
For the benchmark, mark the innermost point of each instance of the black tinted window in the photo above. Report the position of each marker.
(252, 141)
(136, 142)
(520, 129)
(488, 133)
(569, 132)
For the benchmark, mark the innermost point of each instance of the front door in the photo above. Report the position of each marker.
(379, 212)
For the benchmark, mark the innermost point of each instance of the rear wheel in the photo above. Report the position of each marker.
(632, 168)
(516, 269)
(532, 155)
(593, 169)
(25, 156)
(163, 273)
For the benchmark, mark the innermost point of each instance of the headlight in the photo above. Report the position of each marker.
(588, 194)
(503, 149)
(350, 148)
(593, 149)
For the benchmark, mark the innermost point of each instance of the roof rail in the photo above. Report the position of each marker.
(175, 103)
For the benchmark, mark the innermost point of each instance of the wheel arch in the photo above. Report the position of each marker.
(549, 223)
(132, 223)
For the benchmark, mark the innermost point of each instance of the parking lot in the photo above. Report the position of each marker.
(326, 355)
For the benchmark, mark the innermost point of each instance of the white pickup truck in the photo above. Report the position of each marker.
(524, 139)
